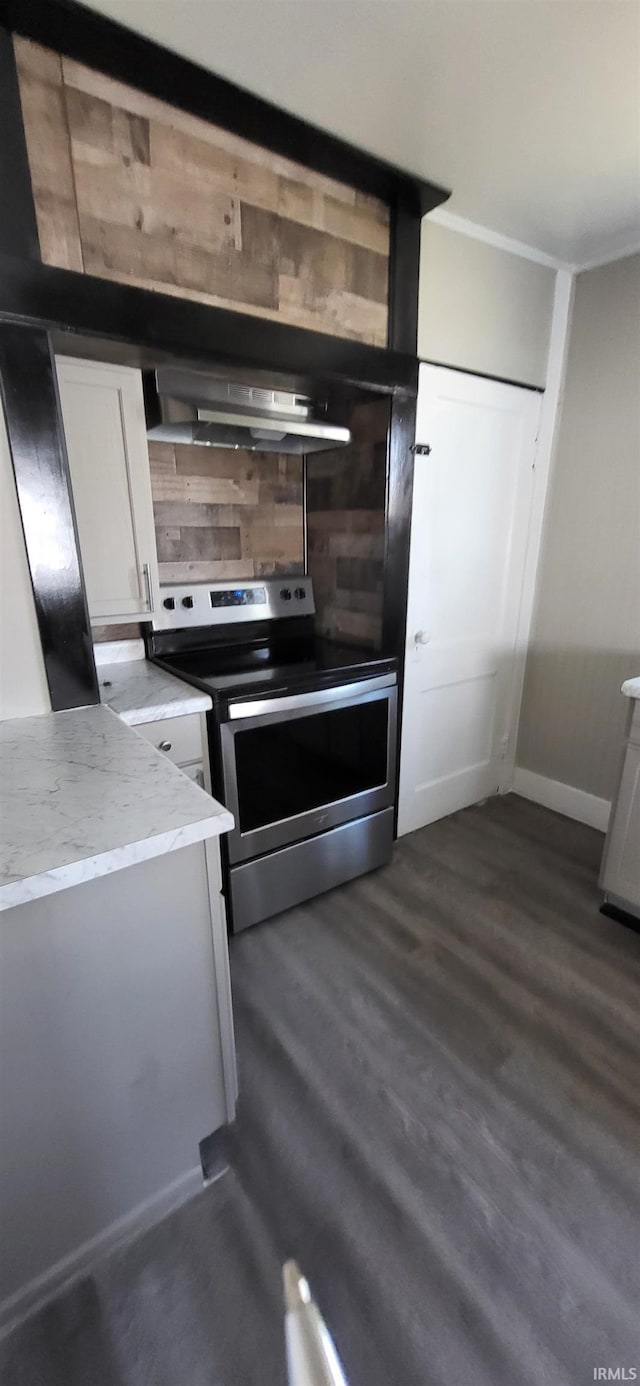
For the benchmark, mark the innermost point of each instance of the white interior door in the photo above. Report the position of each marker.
(470, 523)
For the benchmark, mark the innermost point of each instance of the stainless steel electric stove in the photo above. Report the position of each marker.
(302, 738)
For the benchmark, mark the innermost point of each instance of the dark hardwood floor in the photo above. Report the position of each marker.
(439, 1118)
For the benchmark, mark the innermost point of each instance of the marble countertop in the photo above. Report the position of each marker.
(141, 692)
(84, 795)
(631, 688)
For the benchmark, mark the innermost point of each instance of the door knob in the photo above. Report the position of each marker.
(421, 638)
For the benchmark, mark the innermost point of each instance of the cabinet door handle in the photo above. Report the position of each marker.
(146, 574)
(164, 745)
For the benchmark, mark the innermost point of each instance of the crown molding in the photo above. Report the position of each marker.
(441, 217)
(599, 261)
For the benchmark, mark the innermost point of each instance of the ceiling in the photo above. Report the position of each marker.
(528, 109)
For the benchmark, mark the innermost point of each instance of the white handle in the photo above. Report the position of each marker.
(421, 638)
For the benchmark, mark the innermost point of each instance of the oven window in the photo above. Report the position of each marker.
(292, 766)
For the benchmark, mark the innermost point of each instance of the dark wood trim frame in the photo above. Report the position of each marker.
(398, 506)
(399, 497)
(403, 336)
(67, 300)
(18, 226)
(91, 38)
(404, 261)
(30, 399)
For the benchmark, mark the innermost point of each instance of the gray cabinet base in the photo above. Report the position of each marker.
(270, 884)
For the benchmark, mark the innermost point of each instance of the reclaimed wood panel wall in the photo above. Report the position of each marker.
(222, 514)
(346, 494)
(133, 630)
(132, 189)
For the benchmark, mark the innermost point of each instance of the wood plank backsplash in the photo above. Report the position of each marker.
(131, 630)
(132, 189)
(346, 491)
(226, 514)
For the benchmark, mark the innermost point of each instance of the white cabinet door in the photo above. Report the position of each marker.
(106, 437)
(180, 738)
(470, 521)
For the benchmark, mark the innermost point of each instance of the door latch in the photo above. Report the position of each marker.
(421, 449)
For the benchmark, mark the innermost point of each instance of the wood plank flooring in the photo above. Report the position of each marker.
(439, 1117)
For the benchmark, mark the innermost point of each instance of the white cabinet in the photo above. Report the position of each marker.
(620, 878)
(184, 741)
(106, 438)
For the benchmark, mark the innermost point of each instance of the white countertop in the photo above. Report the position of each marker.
(83, 795)
(141, 692)
(631, 688)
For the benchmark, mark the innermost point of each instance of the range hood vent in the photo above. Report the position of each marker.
(188, 407)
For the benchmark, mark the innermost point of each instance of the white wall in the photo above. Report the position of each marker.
(483, 309)
(586, 634)
(23, 685)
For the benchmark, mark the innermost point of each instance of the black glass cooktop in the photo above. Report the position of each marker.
(274, 666)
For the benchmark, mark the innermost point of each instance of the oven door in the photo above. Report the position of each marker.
(298, 764)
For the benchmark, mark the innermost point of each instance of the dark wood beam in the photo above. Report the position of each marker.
(63, 299)
(398, 508)
(404, 266)
(398, 536)
(36, 439)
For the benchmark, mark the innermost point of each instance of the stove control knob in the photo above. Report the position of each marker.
(188, 602)
(300, 593)
(169, 603)
(285, 593)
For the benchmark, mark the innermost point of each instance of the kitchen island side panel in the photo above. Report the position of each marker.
(111, 1070)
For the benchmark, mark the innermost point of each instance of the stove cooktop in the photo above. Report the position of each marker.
(274, 667)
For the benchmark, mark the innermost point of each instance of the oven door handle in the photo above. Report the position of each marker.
(322, 697)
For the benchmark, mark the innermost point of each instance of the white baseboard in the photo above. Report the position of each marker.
(563, 798)
(37, 1292)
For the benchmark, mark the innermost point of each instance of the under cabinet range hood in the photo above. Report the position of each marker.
(189, 407)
